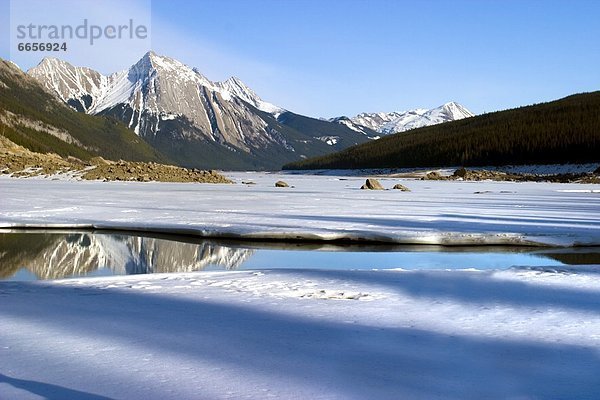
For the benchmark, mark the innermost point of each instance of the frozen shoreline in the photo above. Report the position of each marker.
(316, 208)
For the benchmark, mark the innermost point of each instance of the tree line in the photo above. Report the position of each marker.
(562, 131)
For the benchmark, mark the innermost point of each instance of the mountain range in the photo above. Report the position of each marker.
(394, 122)
(191, 120)
(195, 122)
(561, 131)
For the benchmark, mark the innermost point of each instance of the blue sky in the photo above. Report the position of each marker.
(329, 58)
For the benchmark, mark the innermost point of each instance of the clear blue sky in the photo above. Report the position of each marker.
(328, 58)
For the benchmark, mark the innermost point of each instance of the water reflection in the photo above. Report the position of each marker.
(26, 255)
(60, 255)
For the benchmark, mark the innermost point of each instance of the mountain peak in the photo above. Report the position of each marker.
(456, 111)
(158, 60)
(53, 63)
(52, 60)
(77, 86)
(55, 66)
(147, 60)
(235, 86)
(152, 56)
(151, 60)
(237, 81)
(450, 104)
(238, 88)
(153, 64)
(393, 122)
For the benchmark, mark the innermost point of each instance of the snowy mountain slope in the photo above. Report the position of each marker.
(159, 88)
(234, 86)
(80, 87)
(360, 128)
(154, 89)
(192, 120)
(387, 123)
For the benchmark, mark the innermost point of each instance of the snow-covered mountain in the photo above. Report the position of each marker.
(362, 129)
(234, 86)
(157, 89)
(194, 121)
(387, 123)
(80, 87)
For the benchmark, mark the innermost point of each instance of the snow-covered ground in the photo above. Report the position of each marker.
(517, 333)
(317, 207)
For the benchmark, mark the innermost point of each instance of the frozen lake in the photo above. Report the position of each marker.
(41, 255)
(316, 208)
(210, 311)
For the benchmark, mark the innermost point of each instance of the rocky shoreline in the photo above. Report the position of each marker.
(19, 162)
(148, 172)
(483, 175)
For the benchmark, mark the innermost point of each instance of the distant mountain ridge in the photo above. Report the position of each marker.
(192, 120)
(394, 122)
(561, 131)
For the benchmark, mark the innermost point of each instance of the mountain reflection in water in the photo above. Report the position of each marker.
(27, 255)
(56, 256)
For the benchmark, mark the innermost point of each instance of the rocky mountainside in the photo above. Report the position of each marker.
(394, 122)
(79, 87)
(33, 118)
(192, 120)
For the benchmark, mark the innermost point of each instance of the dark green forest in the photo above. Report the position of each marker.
(561, 131)
(23, 98)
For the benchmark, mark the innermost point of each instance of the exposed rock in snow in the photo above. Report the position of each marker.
(399, 186)
(372, 184)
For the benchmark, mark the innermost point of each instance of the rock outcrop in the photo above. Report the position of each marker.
(432, 176)
(372, 184)
(401, 187)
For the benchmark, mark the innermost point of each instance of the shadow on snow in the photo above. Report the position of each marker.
(339, 359)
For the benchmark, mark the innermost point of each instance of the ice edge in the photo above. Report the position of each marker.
(440, 239)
